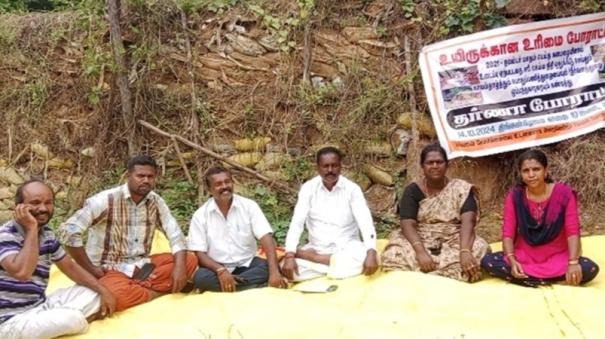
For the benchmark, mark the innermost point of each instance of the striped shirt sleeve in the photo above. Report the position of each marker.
(54, 247)
(71, 231)
(9, 244)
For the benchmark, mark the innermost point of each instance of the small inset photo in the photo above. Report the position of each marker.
(459, 77)
(461, 96)
(598, 56)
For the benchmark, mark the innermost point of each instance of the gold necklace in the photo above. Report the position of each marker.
(540, 206)
(538, 198)
(428, 192)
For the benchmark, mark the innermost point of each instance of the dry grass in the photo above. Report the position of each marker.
(52, 64)
(581, 163)
(578, 161)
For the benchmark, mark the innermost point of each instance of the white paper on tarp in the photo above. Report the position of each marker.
(517, 86)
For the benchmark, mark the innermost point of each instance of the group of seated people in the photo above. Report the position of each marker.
(114, 269)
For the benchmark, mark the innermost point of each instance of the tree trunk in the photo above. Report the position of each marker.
(194, 120)
(307, 53)
(413, 169)
(113, 11)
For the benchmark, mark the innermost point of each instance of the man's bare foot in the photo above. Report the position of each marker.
(156, 294)
(94, 316)
(312, 255)
(308, 254)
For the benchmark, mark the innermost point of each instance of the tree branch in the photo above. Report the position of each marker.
(280, 185)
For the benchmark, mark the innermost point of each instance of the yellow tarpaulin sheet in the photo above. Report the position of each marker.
(387, 305)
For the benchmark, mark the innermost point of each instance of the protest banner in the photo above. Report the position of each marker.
(518, 86)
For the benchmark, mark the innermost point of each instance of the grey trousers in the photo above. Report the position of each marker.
(252, 276)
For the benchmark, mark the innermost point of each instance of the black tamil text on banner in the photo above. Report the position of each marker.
(517, 86)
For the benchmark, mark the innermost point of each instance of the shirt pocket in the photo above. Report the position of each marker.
(243, 233)
(136, 239)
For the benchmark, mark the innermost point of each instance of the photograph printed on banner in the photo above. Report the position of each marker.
(456, 87)
(598, 56)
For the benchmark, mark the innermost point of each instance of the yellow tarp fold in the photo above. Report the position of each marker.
(387, 305)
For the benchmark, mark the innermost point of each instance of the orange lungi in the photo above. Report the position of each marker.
(129, 292)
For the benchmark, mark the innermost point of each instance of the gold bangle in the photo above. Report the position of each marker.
(510, 255)
(416, 243)
(465, 250)
(574, 262)
(220, 270)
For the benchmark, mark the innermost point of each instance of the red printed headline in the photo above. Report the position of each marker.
(473, 56)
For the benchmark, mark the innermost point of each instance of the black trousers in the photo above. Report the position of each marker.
(253, 276)
(495, 265)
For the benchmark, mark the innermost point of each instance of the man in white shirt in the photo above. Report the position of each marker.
(223, 235)
(335, 212)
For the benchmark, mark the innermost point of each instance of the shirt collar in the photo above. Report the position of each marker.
(339, 184)
(21, 230)
(126, 191)
(127, 195)
(234, 204)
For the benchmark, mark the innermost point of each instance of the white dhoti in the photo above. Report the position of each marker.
(64, 312)
(345, 261)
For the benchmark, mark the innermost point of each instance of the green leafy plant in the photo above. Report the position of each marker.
(277, 211)
(36, 93)
(456, 17)
(407, 6)
(94, 97)
(180, 196)
(215, 6)
(11, 6)
(590, 6)
(282, 28)
(297, 169)
(60, 214)
(96, 58)
(306, 8)
(462, 16)
(8, 6)
(324, 95)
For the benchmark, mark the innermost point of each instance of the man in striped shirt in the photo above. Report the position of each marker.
(121, 222)
(28, 247)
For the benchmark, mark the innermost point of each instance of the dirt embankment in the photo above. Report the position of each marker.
(233, 83)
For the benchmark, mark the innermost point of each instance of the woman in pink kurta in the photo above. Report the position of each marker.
(541, 231)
